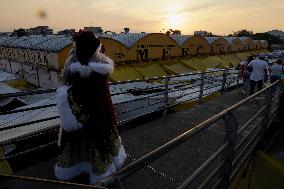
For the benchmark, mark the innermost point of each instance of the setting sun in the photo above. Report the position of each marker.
(174, 21)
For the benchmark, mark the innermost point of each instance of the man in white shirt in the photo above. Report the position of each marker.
(258, 74)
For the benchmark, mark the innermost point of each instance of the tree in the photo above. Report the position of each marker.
(205, 34)
(271, 39)
(19, 32)
(243, 33)
(173, 32)
(210, 34)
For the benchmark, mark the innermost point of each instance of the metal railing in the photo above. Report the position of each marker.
(236, 149)
(136, 98)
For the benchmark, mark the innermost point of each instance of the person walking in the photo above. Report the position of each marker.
(277, 70)
(258, 73)
(245, 73)
(89, 142)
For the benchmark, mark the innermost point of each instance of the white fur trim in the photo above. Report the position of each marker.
(85, 71)
(120, 158)
(69, 122)
(72, 172)
(85, 167)
(101, 68)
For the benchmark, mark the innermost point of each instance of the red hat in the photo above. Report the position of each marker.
(86, 45)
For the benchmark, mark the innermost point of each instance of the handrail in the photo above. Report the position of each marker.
(66, 184)
(25, 93)
(169, 76)
(28, 123)
(27, 109)
(202, 167)
(164, 103)
(148, 158)
(42, 91)
(139, 163)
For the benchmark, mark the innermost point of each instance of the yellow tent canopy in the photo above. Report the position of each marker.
(149, 69)
(265, 51)
(225, 62)
(175, 67)
(124, 72)
(243, 56)
(266, 173)
(213, 62)
(232, 58)
(194, 64)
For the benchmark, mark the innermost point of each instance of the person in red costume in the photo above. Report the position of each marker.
(88, 140)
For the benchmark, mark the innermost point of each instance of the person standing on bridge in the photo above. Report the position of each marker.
(277, 70)
(89, 142)
(246, 75)
(258, 73)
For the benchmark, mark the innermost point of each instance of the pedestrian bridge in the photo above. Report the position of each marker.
(186, 131)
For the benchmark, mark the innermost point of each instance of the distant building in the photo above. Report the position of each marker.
(66, 32)
(40, 30)
(95, 30)
(277, 33)
(201, 33)
(126, 30)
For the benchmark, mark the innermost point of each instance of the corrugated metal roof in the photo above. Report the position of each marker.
(243, 38)
(181, 39)
(106, 35)
(211, 40)
(129, 39)
(4, 76)
(4, 89)
(230, 40)
(53, 43)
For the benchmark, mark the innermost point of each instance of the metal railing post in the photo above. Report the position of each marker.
(118, 183)
(224, 81)
(166, 96)
(238, 79)
(231, 137)
(268, 100)
(281, 108)
(202, 77)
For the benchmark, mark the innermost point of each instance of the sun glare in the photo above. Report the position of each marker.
(174, 21)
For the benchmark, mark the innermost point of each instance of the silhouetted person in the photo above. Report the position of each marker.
(277, 70)
(245, 72)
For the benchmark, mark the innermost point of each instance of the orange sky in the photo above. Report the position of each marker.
(219, 16)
